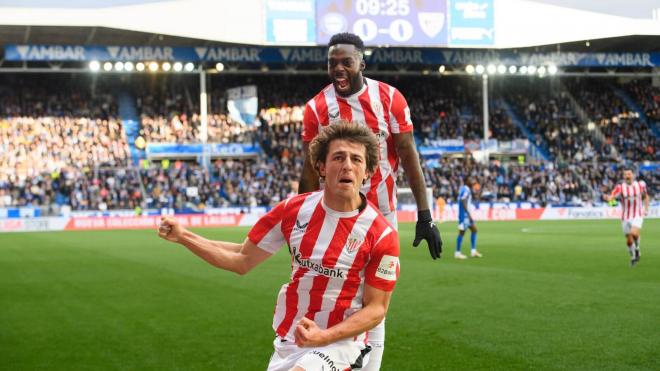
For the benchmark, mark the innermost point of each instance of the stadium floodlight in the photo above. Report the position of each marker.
(501, 69)
(119, 66)
(442, 68)
(128, 66)
(469, 69)
(552, 69)
(491, 69)
(178, 66)
(219, 67)
(368, 52)
(153, 66)
(94, 66)
(166, 66)
(523, 70)
(139, 66)
(480, 69)
(513, 69)
(107, 66)
(531, 70)
(189, 67)
(541, 70)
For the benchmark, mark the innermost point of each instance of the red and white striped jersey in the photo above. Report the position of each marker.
(333, 254)
(380, 107)
(631, 199)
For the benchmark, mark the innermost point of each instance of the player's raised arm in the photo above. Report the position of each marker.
(425, 228)
(229, 256)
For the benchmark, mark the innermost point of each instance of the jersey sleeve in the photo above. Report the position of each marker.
(267, 232)
(382, 271)
(616, 191)
(400, 121)
(642, 185)
(310, 122)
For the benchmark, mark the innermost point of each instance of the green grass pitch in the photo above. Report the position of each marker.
(546, 296)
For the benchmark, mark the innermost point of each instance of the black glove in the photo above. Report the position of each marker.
(427, 230)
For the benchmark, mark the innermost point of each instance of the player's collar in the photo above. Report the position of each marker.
(346, 214)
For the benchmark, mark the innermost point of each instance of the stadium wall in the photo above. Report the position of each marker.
(248, 219)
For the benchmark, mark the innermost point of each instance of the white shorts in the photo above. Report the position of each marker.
(342, 355)
(376, 336)
(628, 224)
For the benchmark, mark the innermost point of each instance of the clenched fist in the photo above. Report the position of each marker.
(170, 229)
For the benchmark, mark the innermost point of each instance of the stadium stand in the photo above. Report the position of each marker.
(70, 149)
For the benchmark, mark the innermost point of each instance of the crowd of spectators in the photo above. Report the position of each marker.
(647, 96)
(506, 182)
(76, 189)
(73, 152)
(622, 127)
(261, 181)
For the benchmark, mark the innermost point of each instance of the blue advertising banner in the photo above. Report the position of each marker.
(384, 22)
(193, 150)
(472, 22)
(290, 21)
(316, 55)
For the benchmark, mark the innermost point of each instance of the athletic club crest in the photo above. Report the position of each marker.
(377, 107)
(353, 244)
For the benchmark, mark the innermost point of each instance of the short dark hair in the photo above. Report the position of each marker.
(347, 38)
(350, 132)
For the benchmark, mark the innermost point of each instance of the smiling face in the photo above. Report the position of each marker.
(344, 169)
(345, 66)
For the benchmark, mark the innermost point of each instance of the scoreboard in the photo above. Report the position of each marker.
(384, 22)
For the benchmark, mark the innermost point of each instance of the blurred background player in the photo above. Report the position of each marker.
(341, 246)
(383, 109)
(466, 221)
(631, 193)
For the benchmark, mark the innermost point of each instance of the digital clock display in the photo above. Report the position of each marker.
(384, 22)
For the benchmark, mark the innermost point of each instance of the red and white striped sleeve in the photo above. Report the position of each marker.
(267, 232)
(310, 127)
(616, 191)
(642, 186)
(400, 121)
(382, 271)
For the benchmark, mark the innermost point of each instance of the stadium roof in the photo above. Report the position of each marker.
(62, 35)
(481, 24)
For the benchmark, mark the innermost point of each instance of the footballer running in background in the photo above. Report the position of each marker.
(634, 207)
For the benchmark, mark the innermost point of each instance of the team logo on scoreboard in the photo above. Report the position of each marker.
(431, 22)
(333, 23)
